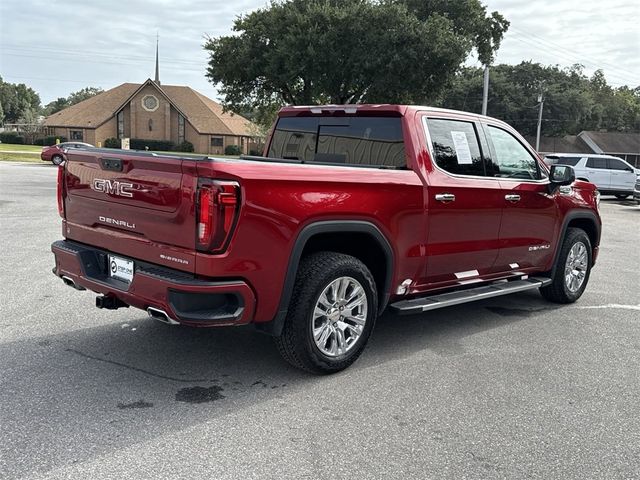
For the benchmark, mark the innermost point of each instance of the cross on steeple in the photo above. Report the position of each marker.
(157, 62)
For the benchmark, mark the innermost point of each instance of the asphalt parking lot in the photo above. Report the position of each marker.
(512, 387)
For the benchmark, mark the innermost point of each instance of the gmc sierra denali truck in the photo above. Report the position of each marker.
(352, 210)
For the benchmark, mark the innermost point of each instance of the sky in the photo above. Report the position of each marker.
(63, 46)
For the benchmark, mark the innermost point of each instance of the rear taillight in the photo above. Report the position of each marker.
(217, 208)
(60, 191)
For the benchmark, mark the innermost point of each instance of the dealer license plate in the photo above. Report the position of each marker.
(121, 268)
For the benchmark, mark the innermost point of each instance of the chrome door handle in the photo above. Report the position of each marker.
(445, 197)
(512, 198)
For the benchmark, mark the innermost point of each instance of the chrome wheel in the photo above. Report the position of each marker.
(575, 270)
(339, 316)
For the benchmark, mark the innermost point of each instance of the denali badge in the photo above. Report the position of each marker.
(119, 223)
(539, 247)
(113, 187)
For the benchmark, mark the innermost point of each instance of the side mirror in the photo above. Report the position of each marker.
(562, 175)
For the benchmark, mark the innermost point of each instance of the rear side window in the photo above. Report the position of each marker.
(455, 146)
(597, 163)
(374, 141)
(512, 160)
(571, 161)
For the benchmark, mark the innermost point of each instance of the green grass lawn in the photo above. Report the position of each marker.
(26, 153)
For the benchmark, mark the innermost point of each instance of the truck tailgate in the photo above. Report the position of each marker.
(135, 204)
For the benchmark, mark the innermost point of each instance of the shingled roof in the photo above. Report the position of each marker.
(94, 111)
(205, 115)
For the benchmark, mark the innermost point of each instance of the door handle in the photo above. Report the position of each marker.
(445, 197)
(512, 198)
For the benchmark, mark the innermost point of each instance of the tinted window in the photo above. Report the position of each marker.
(512, 160)
(572, 161)
(348, 140)
(455, 145)
(615, 164)
(597, 163)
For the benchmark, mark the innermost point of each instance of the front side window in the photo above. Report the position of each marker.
(75, 135)
(597, 163)
(615, 164)
(368, 141)
(512, 159)
(455, 146)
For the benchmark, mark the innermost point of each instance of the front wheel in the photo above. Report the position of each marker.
(573, 268)
(57, 159)
(332, 313)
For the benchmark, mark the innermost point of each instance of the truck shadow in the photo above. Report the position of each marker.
(115, 385)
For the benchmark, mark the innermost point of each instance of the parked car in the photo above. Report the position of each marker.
(55, 153)
(612, 175)
(352, 210)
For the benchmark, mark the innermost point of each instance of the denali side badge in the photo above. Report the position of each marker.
(113, 187)
(539, 247)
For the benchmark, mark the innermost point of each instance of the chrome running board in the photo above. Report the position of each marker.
(433, 302)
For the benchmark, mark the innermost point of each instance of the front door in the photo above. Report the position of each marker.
(529, 219)
(464, 206)
(623, 177)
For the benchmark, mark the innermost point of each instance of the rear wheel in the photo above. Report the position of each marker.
(573, 269)
(57, 159)
(331, 315)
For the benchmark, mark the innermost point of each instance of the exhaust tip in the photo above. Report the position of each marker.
(161, 316)
(69, 281)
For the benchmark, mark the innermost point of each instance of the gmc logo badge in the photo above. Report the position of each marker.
(114, 187)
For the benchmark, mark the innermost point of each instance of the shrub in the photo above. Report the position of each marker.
(232, 150)
(112, 142)
(255, 153)
(184, 147)
(12, 137)
(140, 144)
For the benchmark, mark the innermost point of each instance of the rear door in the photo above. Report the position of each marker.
(623, 177)
(464, 206)
(136, 204)
(598, 173)
(529, 219)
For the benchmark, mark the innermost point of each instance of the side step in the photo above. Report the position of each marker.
(424, 304)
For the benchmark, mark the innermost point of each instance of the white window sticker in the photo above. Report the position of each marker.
(462, 148)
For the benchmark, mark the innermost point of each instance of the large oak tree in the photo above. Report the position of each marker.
(348, 51)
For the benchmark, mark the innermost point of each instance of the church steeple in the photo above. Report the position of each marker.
(157, 62)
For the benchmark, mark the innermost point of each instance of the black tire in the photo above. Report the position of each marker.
(622, 196)
(296, 343)
(57, 159)
(559, 291)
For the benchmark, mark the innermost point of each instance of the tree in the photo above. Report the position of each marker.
(75, 97)
(573, 102)
(15, 99)
(348, 51)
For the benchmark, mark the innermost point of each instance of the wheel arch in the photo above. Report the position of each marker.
(340, 236)
(585, 220)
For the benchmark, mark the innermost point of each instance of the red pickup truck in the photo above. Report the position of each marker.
(352, 210)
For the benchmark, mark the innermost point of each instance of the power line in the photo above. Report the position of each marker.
(571, 52)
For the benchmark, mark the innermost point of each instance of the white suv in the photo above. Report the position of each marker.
(612, 175)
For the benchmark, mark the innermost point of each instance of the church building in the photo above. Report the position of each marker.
(151, 111)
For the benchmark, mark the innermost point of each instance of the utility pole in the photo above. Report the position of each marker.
(485, 93)
(541, 102)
